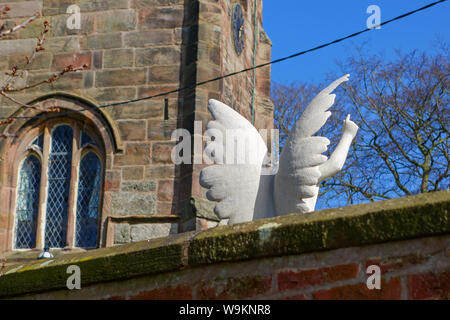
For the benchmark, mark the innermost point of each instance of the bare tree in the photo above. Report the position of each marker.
(402, 108)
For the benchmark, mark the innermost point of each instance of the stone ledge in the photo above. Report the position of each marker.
(391, 220)
(399, 219)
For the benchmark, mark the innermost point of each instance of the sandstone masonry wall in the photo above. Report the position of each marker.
(135, 48)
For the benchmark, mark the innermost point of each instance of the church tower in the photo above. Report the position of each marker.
(77, 174)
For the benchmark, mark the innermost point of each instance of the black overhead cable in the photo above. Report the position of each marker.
(233, 73)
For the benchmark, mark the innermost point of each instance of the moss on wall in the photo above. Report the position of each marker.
(399, 219)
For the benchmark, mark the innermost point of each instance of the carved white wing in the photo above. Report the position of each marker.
(296, 183)
(238, 151)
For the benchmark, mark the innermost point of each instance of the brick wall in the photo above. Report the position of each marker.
(418, 269)
(136, 48)
(323, 255)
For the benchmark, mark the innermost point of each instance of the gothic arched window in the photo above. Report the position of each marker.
(59, 188)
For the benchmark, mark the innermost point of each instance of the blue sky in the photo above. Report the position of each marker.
(295, 25)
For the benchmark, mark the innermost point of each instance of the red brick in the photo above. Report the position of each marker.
(396, 263)
(288, 280)
(234, 288)
(429, 286)
(295, 297)
(389, 291)
(181, 292)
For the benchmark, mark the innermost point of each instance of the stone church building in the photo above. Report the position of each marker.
(84, 176)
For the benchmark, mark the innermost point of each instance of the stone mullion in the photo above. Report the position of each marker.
(72, 203)
(40, 232)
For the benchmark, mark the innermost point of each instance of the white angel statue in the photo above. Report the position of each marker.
(243, 193)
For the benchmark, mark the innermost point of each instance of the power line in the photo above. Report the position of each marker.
(114, 104)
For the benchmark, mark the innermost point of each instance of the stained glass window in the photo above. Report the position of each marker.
(27, 203)
(59, 171)
(85, 139)
(88, 200)
(56, 220)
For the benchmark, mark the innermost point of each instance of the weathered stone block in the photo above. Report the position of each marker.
(203, 208)
(121, 233)
(132, 130)
(69, 81)
(164, 74)
(139, 186)
(122, 77)
(157, 56)
(135, 154)
(60, 61)
(110, 94)
(147, 38)
(133, 173)
(88, 79)
(157, 89)
(209, 33)
(165, 190)
(160, 129)
(117, 58)
(97, 60)
(165, 207)
(112, 180)
(22, 46)
(161, 152)
(104, 41)
(102, 5)
(66, 82)
(210, 12)
(63, 44)
(42, 60)
(132, 203)
(143, 4)
(147, 231)
(158, 172)
(32, 29)
(4, 64)
(54, 7)
(22, 9)
(117, 20)
(139, 110)
(164, 18)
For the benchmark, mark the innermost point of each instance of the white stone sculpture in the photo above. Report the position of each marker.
(235, 180)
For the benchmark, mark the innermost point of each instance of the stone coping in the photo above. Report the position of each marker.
(392, 220)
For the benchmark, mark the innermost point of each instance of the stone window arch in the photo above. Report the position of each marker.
(30, 134)
(59, 186)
